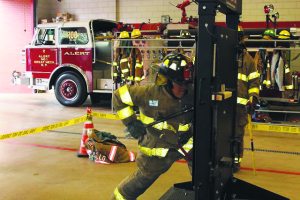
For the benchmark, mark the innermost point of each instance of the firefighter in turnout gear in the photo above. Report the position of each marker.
(161, 144)
(247, 99)
(121, 63)
(136, 60)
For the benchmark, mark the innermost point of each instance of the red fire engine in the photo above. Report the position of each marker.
(69, 57)
(75, 58)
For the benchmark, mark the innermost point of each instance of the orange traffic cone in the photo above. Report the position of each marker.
(88, 128)
(89, 116)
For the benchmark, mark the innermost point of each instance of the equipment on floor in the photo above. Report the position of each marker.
(88, 129)
(104, 148)
(100, 146)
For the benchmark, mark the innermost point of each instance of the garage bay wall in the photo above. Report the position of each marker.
(144, 10)
(80, 10)
(16, 20)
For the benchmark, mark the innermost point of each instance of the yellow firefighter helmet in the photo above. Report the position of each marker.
(284, 34)
(136, 33)
(124, 35)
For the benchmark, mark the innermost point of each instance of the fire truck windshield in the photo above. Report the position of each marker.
(76, 35)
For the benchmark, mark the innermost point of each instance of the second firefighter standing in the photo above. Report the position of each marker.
(247, 98)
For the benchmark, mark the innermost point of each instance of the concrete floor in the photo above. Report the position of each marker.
(45, 165)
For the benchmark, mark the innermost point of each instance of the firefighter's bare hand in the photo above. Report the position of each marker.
(136, 129)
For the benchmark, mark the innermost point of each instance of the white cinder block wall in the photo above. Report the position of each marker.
(45, 10)
(80, 9)
(142, 10)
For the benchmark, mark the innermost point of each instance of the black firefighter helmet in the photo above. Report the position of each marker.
(177, 67)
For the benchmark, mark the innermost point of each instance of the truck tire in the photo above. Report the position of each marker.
(70, 89)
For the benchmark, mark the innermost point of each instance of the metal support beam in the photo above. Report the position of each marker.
(208, 177)
(203, 111)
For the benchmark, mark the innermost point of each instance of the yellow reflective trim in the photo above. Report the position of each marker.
(115, 64)
(289, 87)
(187, 147)
(242, 101)
(183, 63)
(115, 74)
(125, 70)
(166, 62)
(184, 127)
(253, 75)
(237, 160)
(265, 82)
(125, 96)
(125, 112)
(130, 78)
(138, 65)
(159, 152)
(137, 79)
(124, 60)
(160, 126)
(145, 119)
(242, 77)
(254, 90)
(287, 70)
(164, 125)
(118, 195)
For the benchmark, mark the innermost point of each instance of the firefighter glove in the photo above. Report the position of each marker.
(136, 129)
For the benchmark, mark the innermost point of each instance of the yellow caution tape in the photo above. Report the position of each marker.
(105, 116)
(43, 128)
(255, 126)
(57, 125)
(275, 128)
